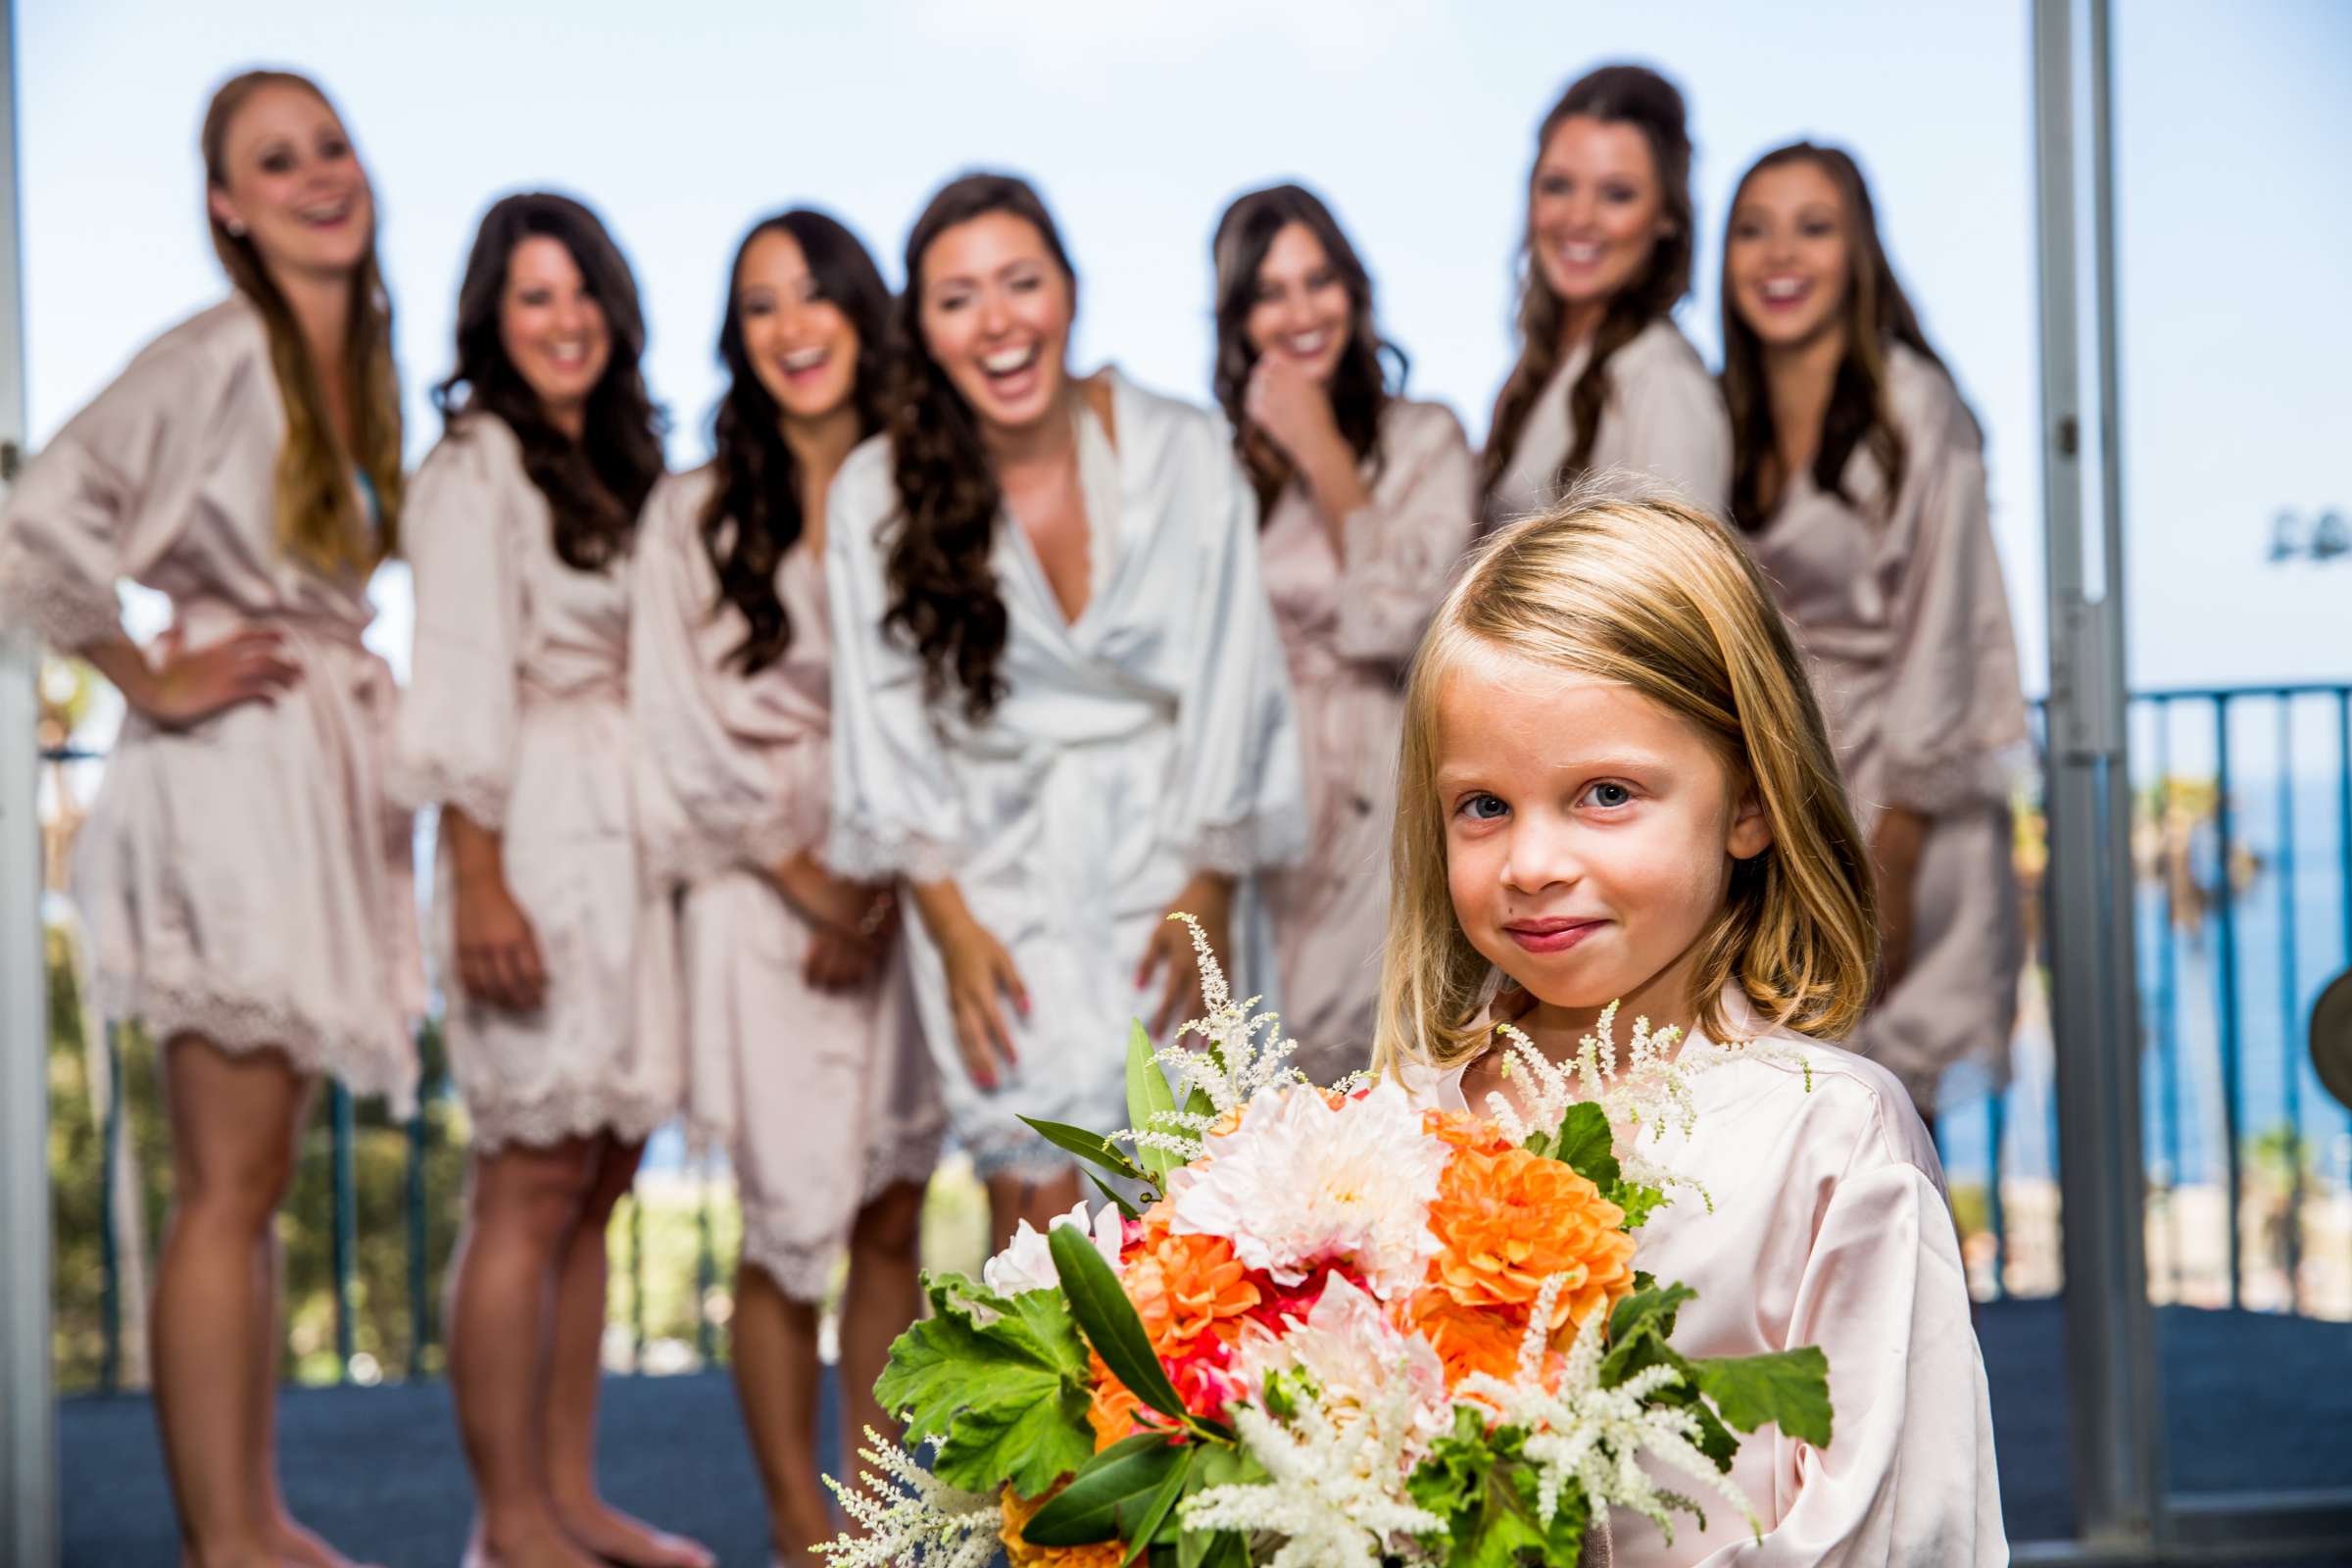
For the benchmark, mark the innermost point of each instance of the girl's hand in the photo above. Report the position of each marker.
(1894, 846)
(498, 955)
(1208, 899)
(180, 689)
(981, 977)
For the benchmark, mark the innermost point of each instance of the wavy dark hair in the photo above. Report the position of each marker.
(318, 518)
(595, 486)
(1630, 95)
(1877, 316)
(1359, 384)
(753, 516)
(944, 596)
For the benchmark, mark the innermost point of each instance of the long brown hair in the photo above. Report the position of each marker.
(1877, 316)
(1631, 95)
(753, 516)
(1625, 582)
(318, 518)
(1359, 387)
(944, 596)
(595, 486)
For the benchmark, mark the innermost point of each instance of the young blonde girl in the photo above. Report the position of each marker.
(1616, 786)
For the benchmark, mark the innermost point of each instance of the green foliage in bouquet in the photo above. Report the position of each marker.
(1000, 1384)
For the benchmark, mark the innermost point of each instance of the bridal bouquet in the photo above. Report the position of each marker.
(1334, 1329)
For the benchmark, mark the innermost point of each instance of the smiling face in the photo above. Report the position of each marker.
(1590, 834)
(1789, 257)
(291, 183)
(802, 345)
(552, 327)
(1301, 311)
(996, 311)
(1595, 209)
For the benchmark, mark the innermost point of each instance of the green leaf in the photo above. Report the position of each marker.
(1637, 1202)
(1638, 1330)
(1093, 1148)
(1107, 1319)
(1789, 1389)
(1148, 1097)
(1483, 1487)
(1116, 1484)
(1586, 1146)
(1126, 1209)
(1157, 1512)
(1005, 1398)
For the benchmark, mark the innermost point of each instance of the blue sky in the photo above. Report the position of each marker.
(682, 122)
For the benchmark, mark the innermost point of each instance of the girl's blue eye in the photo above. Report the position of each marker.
(1609, 796)
(1482, 808)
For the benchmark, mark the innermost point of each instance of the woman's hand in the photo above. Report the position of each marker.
(853, 922)
(981, 979)
(1895, 848)
(178, 688)
(1208, 899)
(497, 955)
(1291, 407)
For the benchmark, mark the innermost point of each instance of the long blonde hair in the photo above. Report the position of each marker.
(1624, 583)
(318, 520)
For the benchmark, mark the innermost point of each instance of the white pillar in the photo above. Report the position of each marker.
(28, 1406)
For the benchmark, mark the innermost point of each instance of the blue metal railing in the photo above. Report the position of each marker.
(2224, 887)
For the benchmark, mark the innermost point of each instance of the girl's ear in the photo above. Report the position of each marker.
(1751, 828)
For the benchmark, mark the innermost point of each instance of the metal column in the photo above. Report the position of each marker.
(2094, 1004)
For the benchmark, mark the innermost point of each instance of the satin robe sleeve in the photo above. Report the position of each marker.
(1954, 704)
(65, 537)
(1241, 785)
(459, 725)
(1672, 425)
(1402, 546)
(1908, 1476)
(711, 795)
(895, 808)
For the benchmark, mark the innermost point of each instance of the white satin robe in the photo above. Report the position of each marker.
(518, 715)
(1152, 738)
(821, 1098)
(246, 878)
(1830, 1227)
(1663, 417)
(1898, 606)
(1349, 628)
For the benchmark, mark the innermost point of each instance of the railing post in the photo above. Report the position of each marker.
(419, 1235)
(345, 1229)
(2225, 996)
(706, 1272)
(110, 1264)
(2168, 996)
(2290, 1009)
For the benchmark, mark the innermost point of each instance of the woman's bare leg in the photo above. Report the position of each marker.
(523, 1207)
(777, 1378)
(233, 1118)
(575, 1378)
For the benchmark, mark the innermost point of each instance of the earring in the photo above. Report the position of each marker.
(236, 230)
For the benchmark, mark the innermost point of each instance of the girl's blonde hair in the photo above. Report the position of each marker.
(1626, 584)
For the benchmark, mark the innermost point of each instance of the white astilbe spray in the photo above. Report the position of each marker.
(1336, 1492)
(1583, 1435)
(1645, 1092)
(911, 1518)
(1228, 1067)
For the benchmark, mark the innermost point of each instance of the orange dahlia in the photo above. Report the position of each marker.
(1194, 1297)
(1019, 1510)
(1508, 1220)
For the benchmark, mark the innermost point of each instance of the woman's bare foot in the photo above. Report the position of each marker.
(617, 1537)
(297, 1543)
(541, 1544)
